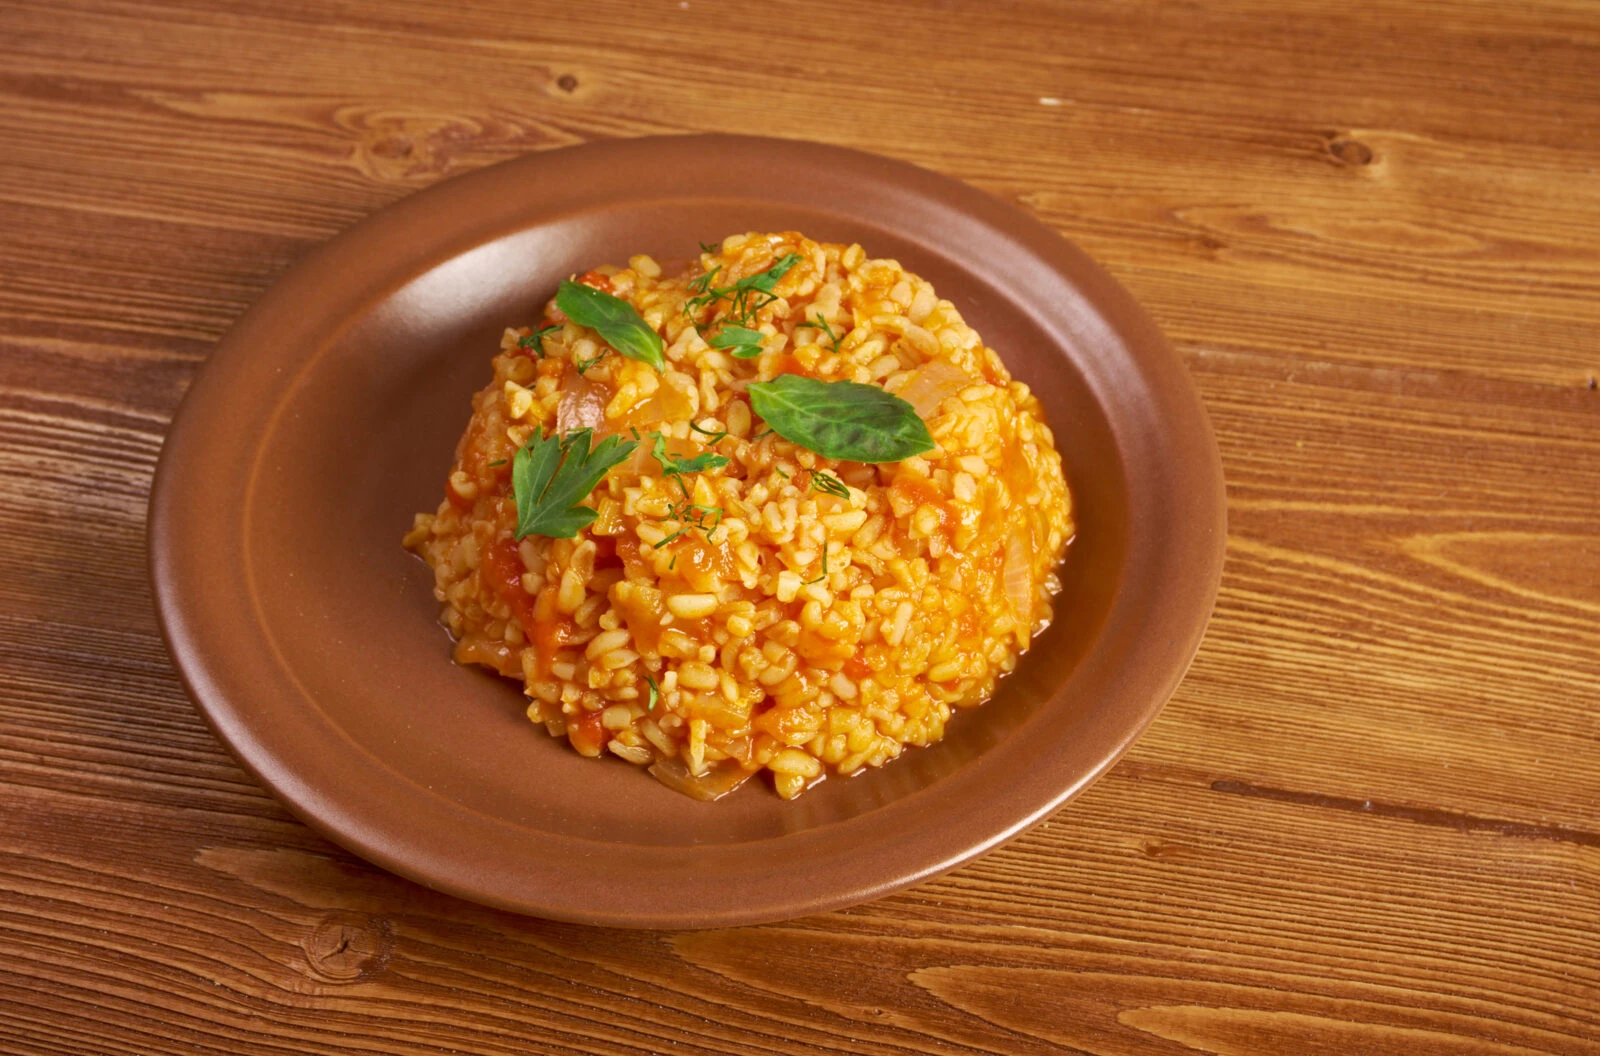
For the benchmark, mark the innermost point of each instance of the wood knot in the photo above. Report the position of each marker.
(396, 146)
(1351, 152)
(349, 947)
(567, 83)
(393, 147)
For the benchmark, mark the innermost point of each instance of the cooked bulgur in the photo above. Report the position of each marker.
(802, 627)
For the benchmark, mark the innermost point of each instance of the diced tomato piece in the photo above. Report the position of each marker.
(596, 280)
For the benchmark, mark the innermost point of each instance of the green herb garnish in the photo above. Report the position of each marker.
(827, 482)
(693, 517)
(824, 573)
(702, 283)
(844, 420)
(675, 467)
(534, 342)
(655, 693)
(615, 320)
(820, 323)
(709, 247)
(712, 435)
(766, 280)
(584, 364)
(497, 462)
(742, 341)
(550, 475)
(746, 297)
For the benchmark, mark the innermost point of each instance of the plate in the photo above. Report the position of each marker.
(329, 413)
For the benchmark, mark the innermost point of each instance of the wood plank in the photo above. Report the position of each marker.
(1369, 821)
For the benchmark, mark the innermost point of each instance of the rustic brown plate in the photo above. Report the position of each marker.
(328, 415)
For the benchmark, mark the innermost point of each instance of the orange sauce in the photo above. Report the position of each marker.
(543, 626)
(596, 280)
(787, 364)
(701, 563)
(631, 553)
(784, 723)
(586, 732)
(857, 669)
(920, 492)
(550, 632)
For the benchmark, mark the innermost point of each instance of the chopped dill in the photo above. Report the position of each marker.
(827, 482)
(585, 364)
(714, 436)
(820, 323)
(824, 573)
(534, 342)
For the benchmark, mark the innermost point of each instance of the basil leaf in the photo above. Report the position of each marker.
(841, 419)
(551, 475)
(742, 341)
(614, 319)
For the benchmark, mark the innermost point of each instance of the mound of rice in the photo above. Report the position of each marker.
(804, 633)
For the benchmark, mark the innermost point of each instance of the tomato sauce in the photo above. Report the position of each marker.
(550, 632)
(595, 280)
(785, 724)
(919, 492)
(787, 364)
(703, 564)
(546, 628)
(586, 732)
(857, 669)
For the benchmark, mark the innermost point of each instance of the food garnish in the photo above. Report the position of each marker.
(551, 474)
(845, 420)
(617, 322)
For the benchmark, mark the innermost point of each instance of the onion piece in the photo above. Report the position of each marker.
(932, 384)
(582, 406)
(1017, 575)
(715, 783)
(666, 404)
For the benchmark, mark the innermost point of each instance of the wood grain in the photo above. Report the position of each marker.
(1369, 822)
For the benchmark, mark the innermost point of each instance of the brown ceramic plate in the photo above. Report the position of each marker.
(328, 416)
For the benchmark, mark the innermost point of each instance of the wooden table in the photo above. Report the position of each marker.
(1369, 822)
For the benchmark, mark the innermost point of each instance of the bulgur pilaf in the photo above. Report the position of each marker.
(740, 602)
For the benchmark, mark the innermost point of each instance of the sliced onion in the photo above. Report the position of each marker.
(1017, 575)
(582, 406)
(666, 404)
(715, 783)
(932, 384)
